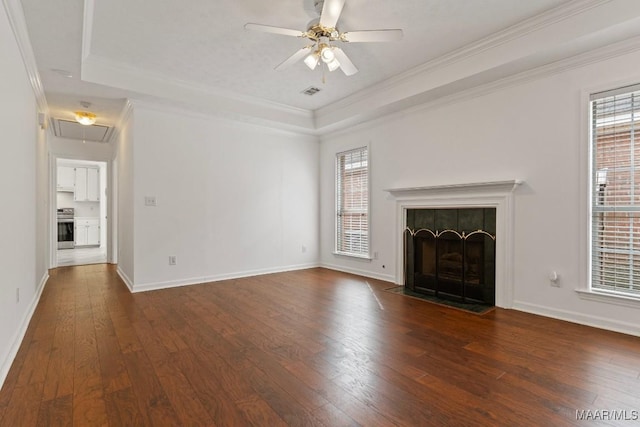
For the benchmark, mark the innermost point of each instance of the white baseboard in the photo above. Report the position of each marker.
(384, 277)
(125, 278)
(144, 287)
(580, 318)
(22, 330)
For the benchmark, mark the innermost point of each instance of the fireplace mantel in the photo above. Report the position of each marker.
(474, 187)
(491, 194)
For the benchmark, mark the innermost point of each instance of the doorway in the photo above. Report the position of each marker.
(81, 206)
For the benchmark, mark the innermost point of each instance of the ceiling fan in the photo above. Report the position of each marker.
(323, 33)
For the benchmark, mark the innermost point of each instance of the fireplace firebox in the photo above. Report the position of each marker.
(450, 253)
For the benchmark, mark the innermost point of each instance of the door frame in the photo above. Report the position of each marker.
(111, 190)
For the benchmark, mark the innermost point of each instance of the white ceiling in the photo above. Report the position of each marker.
(201, 56)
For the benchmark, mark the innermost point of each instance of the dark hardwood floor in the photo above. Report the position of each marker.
(312, 347)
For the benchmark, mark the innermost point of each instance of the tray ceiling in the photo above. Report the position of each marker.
(201, 57)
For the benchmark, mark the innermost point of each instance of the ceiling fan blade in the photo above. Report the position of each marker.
(372, 36)
(295, 58)
(331, 10)
(274, 30)
(345, 63)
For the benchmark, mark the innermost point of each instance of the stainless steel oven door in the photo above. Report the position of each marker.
(65, 234)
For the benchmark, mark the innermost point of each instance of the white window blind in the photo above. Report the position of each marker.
(615, 198)
(352, 202)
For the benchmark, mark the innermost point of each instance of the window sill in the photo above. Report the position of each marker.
(609, 298)
(349, 255)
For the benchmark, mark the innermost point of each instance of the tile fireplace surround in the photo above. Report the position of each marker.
(494, 194)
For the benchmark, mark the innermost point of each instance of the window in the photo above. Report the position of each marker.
(615, 191)
(352, 202)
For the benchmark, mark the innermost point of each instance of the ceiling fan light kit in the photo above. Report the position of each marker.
(326, 53)
(323, 33)
(312, 60)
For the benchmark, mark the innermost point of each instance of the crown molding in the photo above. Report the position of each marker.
(125, 114)
(536, 23)
(562, 26)
(602, 54)
(99, 70)
(188, 111)
(493, 62)
(514, 32)
(510, 53)
(87, 27)
(15, 14)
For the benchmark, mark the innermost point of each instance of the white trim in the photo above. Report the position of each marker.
(350, 255)
(345, 113)
(579, 318)
(22, 330)
(111, 248)
(336, 162)
(493, 194)
(53, 215)
(489, 186)
(194, 112)
(584, 179)
(609, 298)
(125, 69)
(365, 273)
(87, 27)
(15, 13)
(125, 114)
(128, 282)
(144, 287)
(421, 102)
(585, 152)
(492, 41)
(197, 97)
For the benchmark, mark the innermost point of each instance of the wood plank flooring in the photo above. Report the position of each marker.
(306, 348)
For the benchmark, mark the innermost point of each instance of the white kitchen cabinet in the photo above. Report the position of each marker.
(93, 185)
(80, 194)
(87, 185)
(87, 232)
(66, 178)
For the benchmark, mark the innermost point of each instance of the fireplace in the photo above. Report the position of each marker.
(450, 253)
(495, 195)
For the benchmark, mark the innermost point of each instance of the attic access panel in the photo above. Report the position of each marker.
(74, 130)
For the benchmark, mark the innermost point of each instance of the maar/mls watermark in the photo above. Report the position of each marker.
(607, 415)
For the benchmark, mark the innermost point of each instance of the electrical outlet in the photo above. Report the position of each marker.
(375, 255)
(173, 260)
(17, 294)
(150, 201)
(554, 279)
(304, 249)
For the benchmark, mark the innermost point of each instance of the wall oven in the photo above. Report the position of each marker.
(66, 227)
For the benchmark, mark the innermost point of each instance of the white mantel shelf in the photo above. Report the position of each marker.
(490, 186)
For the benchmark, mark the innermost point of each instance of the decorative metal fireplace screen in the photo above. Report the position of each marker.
(450, 253)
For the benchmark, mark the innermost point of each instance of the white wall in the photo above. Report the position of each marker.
(232, 199)
(76, 149)
(533, 131)
(124, 202)
(102, 205)
(42, 227)
(22, 254)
